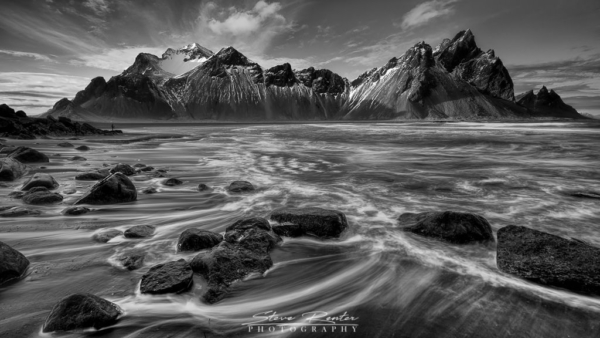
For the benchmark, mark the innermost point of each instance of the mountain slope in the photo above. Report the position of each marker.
(547, 103)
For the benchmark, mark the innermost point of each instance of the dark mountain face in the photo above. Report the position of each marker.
(546, 103)
(456, 80)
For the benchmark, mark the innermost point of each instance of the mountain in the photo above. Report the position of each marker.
(456, 80)
(546, 103)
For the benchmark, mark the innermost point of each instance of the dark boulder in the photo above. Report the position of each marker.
(203, 187)
(171, 182)
(91, 176)
(449, 226)
(11, 169)
(170, 277)
(40, 180)
(240, 186)
(28, 155)
(65, 145)
(116, 188)
(148, 168)
(75, 211)
(125, 169)
(254, 234)
(78, 158)
(81, 311)
(140, 231)
(13, 264)
(198, 239)
(106, 235)
(83, 148)
(549, 260)
(41, 195)
(316, 222)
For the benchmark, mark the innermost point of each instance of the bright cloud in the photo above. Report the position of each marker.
(426, 11)
(35, 56)
(240, 22)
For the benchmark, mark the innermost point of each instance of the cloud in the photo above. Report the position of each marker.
(426, 11)
(35, 93)
(36, 56)
(115, 59)
(246, 22)
(99, 7)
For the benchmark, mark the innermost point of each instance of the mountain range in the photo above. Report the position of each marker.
(455, 80)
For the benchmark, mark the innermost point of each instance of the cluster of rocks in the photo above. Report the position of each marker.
(527, 253)
(20, 126)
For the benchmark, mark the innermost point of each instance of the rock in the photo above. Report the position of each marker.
(172, 182)
(7, 149)
(240, 186)
(11, 169)
(549, 260)
(78, 158)
(547, 103)
(40, 180)
(148, 168)
(125, 169)
(132, 260)
(149, 190)
(91, 176)
(28, 155)
(16, 211)
(140, 231)
(116, 188)
(106, 235)
(139, 165)
(81, 311)
(75, 211)
(449, 226)
(586, 194)
(203, 187)
(83, 148)
(226, 264)
(41, 195)
(309, 221)
(13, 264)
(198, 239)
(65, 145)
(16, 194)
(170, 277)
(69, 191)
(254, 234)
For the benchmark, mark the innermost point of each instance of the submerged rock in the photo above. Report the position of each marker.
(116, 188)
(83, 148)
(316, 222)
(40, 180)
(11, 169)
(78, 158)
(81, 311)
(132, 260)
(106, 235)
(449, 226)
(140, 231)
(240, 186)
(28, 155)
(75, 211)
(125, 169)
(198, 239)
(41, 195)
(91, 176)
(170, 277)
(13, 264)
(16, 211)
(203, 187)
(149, 190)
(65, 145)
(549, 260)
(171, 182)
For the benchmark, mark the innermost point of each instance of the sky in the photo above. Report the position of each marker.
(50, 49)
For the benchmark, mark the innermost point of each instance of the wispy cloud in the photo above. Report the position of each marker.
(36, 56)
(116, 59)
(99, 7)
(426, 11)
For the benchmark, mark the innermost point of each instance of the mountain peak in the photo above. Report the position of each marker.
(232, 57)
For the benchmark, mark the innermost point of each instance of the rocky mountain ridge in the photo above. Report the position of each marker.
(455, 80)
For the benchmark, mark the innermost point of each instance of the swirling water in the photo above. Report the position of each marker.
(396, 283)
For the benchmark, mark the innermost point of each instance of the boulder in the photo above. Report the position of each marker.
(140, 231)
(139, 165)
(254, 234)
(240, 186)
(203, 187)
(11, 169)
(81, 311)
(198, 239)
(125, 169)
(28, 155)
(449, 226)
(106, 235)
(294, 222)
(16, 194)
(78, 158)
(40, 180)
(65, 145)
(116, 188)
(148, 168)
(149, 190)
(91, 176)
(171, 182)
(41, 195)
(170, 277)
(83, 148)
(132, 259)
(75, 211)
(16, 211)
(549, 260)
(13, 264)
